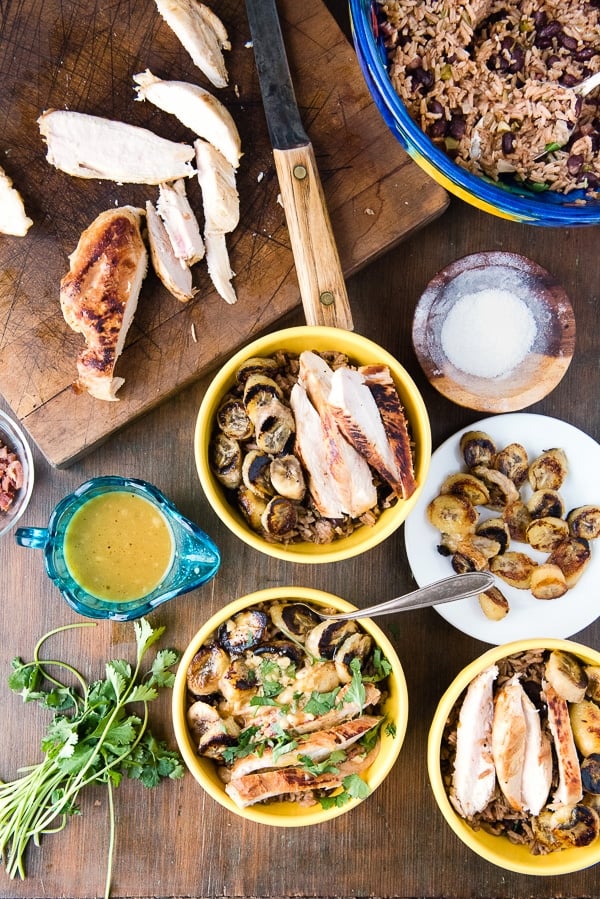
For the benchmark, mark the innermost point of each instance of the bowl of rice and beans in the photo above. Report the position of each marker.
(285, 719)
(312, 444)
(514, 756)
(481, 95)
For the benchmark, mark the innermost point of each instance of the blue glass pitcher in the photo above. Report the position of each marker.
(195, 558)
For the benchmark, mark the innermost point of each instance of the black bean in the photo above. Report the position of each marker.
(584, 54)
(438, 128)
(508, 143)
(569, 80)
(566, 41)
(457, 127)
(435, 107)
(574, 163)
(423, 77)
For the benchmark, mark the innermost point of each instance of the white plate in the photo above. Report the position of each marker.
(528, 617)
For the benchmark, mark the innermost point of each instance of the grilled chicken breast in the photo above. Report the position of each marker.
(349, 470)
(360, 421)
(13, 218)
(219, 267)
(177, 278)
(220, 198)
(474, 776)
(180, 223)
(569, 790)
(509, 732)
(202, 34)
(88, 146)
(196, 108)
(99, 295)
(537, 763)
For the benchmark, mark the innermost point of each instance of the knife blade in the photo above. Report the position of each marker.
(320, 277)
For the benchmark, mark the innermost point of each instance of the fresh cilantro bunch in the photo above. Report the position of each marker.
(93, 738)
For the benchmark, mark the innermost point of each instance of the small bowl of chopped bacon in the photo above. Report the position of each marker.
(514, 756)
(16, 473)
(312, 444)
(285, 718)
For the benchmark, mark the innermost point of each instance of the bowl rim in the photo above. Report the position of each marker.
(21, 446)
(362, 539)
(375, 775)
(528, 209)
(487, 846)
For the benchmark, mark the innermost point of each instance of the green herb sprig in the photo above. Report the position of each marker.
(93, 738)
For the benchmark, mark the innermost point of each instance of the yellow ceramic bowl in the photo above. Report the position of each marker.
(499, 850)
(360, 350)
(290, 814)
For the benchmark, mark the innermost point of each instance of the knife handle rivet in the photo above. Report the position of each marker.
(327, 298)
(300, 172)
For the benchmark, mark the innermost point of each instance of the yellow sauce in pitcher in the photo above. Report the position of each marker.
(118, 546)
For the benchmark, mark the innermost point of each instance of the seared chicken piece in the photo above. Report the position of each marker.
(312, 450)
(196, 108)
(537, 764)
(175, 277)
(355, 410)
(99, 295)
(13, 218)
(348, 468)
(263, 785)
(317, 746)
(219, 269)
(474, 777)
(509, 731)
(379, 381)
(220, 197)
(202, 34)
(569, 790)
(89, 146)
(180, 222)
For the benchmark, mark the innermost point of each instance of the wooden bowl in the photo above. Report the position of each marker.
(462, 349)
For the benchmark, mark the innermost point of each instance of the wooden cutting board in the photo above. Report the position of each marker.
(82, 56)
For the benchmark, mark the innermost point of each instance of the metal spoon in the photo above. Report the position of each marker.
(450, 589)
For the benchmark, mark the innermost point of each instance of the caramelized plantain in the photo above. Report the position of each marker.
(495, 529)
(468, 486)
(517, 517)
(585, 722)
(548, 582)
(501, 489)
(549, 470)
(513, 462)
(494, 604)
(452, 514)
(546, 502)
(515, 568)
(572, 556)
(584, 521)
(593, 681)
(566, 675)
(546, 533)
(477, 448)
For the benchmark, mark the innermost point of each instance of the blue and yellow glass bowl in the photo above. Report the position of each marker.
(508, 200)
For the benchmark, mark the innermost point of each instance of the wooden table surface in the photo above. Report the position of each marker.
(174, 841)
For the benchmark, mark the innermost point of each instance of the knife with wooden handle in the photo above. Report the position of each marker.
(320, 277)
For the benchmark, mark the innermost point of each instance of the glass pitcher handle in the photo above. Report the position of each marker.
(34, 538)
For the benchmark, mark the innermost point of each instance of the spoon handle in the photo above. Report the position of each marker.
(450, 589)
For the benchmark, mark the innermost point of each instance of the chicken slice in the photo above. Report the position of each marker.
(509, 732)
(358, 418)
(474, 776)
(311, 448)
(348, 468)
(537, 764)
(316, 746)
(569, 790)
(88, 146)
(99, 294)
(220, 198)
(379, 381)
(219, 268)
(257, 787)
(196, 108)
(175, 277)
(180, 222)
(13, 218)
(202, 34)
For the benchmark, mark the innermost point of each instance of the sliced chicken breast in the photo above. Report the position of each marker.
(316, 746)
(99, 295)
(509, 731)
(537, 764)
(201, 32)
(220, 198)
(569, 790)
(219, 267)
(88, 146)
(311, 449)
(348, 468)
(359, 420)
(180, 222)
(196, 108)
(13, 218)
(175, 277)
(474, 776)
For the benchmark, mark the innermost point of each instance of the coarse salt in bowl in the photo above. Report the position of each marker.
(508, 198)
(494, 332)
(499, 850)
